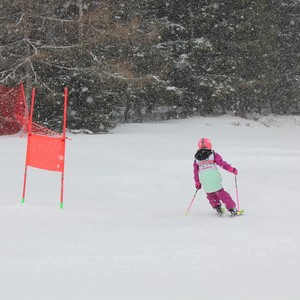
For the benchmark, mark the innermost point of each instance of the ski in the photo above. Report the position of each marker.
(239, 213)
(221, 211)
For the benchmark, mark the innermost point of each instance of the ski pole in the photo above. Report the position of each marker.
(237, 194)
(191, 202)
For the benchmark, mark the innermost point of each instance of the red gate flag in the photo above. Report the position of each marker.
(45, 152)
(46, 148)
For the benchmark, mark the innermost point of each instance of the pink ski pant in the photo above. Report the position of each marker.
(215, 199)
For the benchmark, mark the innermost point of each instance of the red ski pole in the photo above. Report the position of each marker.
(191, 202)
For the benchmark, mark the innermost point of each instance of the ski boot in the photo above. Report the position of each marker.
(233, 211)
(219, 209)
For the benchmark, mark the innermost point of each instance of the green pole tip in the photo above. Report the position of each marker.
(23, 200)
(61, 205)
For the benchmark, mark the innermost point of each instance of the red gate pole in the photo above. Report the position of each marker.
(64, 147)
(28, 142)
(25, 102)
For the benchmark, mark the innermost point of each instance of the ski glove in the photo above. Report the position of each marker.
(198, 185)
(235, 171)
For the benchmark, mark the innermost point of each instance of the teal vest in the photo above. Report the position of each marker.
(209, 175)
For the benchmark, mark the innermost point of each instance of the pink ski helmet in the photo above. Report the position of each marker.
(204, 143)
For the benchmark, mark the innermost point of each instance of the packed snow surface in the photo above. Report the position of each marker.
(123, 233)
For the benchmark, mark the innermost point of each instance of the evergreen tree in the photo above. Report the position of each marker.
(127, 61)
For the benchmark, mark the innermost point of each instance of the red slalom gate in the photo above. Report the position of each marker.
(46, 148)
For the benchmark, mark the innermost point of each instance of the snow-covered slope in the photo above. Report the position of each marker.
(123, 233)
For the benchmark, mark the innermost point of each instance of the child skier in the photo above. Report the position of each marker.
(206, 174)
